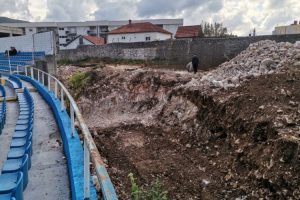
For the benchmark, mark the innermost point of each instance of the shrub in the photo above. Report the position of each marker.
(155, 192)
(79, 80)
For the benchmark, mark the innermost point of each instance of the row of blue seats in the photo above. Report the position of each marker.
(6, 62)
(37, 53)
(19, 58)
(2, 114)
(14, 176)
(22, 57)
(7, 68)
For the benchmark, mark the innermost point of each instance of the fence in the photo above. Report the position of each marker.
(30, 43)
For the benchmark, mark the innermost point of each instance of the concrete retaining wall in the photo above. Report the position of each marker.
(174, 53)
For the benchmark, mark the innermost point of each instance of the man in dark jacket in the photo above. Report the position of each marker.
(195, 62)
(11, 52)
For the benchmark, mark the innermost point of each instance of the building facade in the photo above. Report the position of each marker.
(6, 31)
(287, 30)
(68, 31)
(138, 32)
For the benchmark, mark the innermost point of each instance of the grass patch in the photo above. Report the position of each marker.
(154, 192)
(79, 81)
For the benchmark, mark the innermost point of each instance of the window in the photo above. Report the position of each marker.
(61, 29)
(123, 37)
(30, 30)
(81, 40)
(148, 38)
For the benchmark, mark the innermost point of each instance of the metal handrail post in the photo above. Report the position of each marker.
(38, 75)
(86, 172)
(43, 78)
(32, 75)
(72, 119)
(55, 85)
(49, 83)
(9, 63)
(62, 106)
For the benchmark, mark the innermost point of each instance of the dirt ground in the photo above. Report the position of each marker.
(201, 143)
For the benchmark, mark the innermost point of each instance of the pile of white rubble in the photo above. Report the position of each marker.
(264, 57)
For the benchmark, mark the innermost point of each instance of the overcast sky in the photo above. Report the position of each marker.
(239, 16)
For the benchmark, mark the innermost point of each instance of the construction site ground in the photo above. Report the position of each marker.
(199, 141)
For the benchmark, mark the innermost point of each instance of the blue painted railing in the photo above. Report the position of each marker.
(56, 94)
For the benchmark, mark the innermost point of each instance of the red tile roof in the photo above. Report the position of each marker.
(139, 28)
(188, 31)
(95, 40)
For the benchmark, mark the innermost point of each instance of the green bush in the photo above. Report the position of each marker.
(78, 82)
(155, 192)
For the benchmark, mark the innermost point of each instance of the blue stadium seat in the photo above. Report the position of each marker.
(12, 183)
(17, 165)
(20, 134)
(24, 121)
(21, 142)
(6, 196)
(19, 152)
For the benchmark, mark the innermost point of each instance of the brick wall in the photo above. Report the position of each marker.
(174, 53)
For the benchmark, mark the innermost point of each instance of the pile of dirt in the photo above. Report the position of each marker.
(200, 140)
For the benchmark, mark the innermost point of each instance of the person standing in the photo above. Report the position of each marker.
(195, 63)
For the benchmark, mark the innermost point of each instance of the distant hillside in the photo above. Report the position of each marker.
(9, 20)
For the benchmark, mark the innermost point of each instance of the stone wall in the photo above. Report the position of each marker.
(174, 53)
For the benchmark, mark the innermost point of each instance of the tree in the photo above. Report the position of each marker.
(214, 30)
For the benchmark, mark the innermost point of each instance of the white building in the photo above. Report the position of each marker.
(138, 32)
(287, 30)
(83, 40)
(68, 31)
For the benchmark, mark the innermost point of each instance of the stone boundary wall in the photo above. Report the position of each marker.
(174, 53)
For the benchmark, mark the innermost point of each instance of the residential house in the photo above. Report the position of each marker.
(83, 40)
(138, 32)
(188, 32)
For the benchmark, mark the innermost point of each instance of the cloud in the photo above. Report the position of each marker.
(15, 8)
(115, 10)
(69, 10)
(148, 8)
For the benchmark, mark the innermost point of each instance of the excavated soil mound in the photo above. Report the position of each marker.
(202, 137)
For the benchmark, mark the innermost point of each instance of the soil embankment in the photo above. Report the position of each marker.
(230, 133)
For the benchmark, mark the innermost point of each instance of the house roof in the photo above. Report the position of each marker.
(95, 40)
(188, 31)
(139, 28)
(92, 39)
